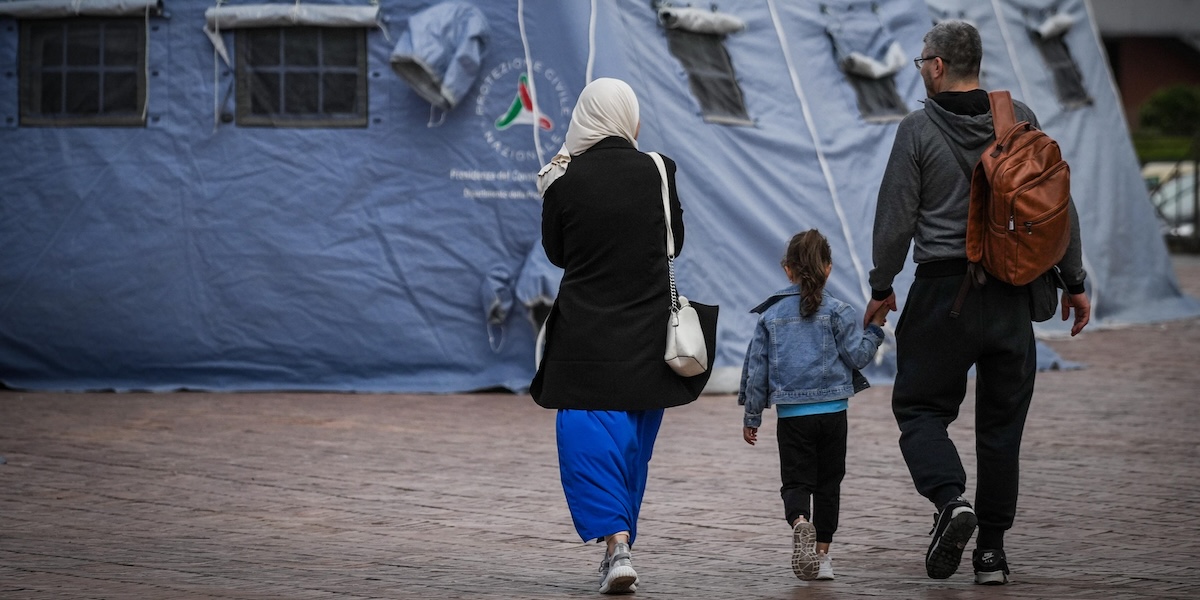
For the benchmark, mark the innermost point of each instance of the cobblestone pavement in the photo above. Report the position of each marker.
(198, 495)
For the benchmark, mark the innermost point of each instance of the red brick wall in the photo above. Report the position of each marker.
(1143, 65)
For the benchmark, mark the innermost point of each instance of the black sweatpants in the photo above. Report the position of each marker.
(812, 463)
(933, 354)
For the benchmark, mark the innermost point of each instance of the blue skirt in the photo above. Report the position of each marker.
(603, 459)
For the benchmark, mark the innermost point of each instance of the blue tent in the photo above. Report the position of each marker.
(340, 195)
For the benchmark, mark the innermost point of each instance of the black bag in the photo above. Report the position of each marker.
(1043, 295)
(708, 322)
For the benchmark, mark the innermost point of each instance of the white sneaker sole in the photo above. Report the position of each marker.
(990, 578)
(805, 563)
(620, 580)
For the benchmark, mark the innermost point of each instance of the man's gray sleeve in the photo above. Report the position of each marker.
(896, 207)
(1071, 265)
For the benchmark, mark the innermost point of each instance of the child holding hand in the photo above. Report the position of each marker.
(804, 359)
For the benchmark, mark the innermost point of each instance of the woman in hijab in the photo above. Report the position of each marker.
(602, 367)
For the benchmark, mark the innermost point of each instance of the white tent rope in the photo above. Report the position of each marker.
(217, 74)
(591, 59)
(821, 159)
(146, 69)
(533, 97)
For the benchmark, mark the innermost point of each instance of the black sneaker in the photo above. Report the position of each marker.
(991, 568)
(952, 529)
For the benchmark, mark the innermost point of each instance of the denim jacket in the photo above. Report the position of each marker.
(802, 360)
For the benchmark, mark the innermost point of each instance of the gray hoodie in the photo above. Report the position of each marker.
(924, 196)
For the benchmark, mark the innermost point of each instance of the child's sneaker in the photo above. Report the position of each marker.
(804, 550)
(824, 566)
(991, 568)
(952, 529)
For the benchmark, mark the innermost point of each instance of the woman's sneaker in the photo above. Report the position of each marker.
(952, 529)
(616, 572)
(824, 567)
(991, 568)
(805, 563)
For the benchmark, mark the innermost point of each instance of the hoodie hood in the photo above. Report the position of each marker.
(969, 133)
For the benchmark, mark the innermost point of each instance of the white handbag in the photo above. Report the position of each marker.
(686, 352)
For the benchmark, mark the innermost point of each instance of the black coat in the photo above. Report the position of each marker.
(602, 222)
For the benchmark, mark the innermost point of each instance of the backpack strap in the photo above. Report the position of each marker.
(975, 277)
(1004, 114)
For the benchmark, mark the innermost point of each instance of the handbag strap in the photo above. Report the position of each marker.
(666, 198)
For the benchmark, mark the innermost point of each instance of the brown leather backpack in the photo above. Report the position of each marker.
(1018, 224)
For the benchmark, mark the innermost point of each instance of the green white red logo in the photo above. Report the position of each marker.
(506, 101)
(520, 112)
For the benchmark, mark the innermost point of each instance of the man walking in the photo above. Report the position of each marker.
(923, 200)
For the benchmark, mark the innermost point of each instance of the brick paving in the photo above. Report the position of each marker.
(298, 496)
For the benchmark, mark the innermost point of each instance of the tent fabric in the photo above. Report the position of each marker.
(49, 9)
(402, 258)
(440, 52)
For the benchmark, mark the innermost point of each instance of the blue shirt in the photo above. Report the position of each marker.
(816, 408)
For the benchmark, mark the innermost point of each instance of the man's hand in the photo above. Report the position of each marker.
(1083, 310)
(750, 434)
(875, 306)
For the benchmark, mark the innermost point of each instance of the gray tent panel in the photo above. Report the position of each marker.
(49, 9)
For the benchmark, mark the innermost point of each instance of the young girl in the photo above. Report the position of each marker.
(804, 359)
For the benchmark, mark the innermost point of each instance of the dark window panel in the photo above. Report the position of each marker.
(82, 93)
(1068, 81)
(120, 93)
(710, 75)
(301, 47)
(51, 93)
(82, 72)
(341, 93)
(317, 78)
(48, 42)
(341, 50)
(122, 45)
(302, 94)
(264, 46)
(878, 99)
(265, 90)
(83, 46)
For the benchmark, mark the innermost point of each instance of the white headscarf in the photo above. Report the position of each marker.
(607, 107)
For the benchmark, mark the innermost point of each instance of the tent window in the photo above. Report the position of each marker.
(869, 56)
(878, 100)
(710, 76)
(1068, 81)
(302, 77)
(83, 72)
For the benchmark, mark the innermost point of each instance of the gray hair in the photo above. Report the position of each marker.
(958, 43)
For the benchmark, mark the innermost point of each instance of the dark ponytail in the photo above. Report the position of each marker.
(807, 255)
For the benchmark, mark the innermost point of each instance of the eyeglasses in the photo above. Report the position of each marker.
(918, 61)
